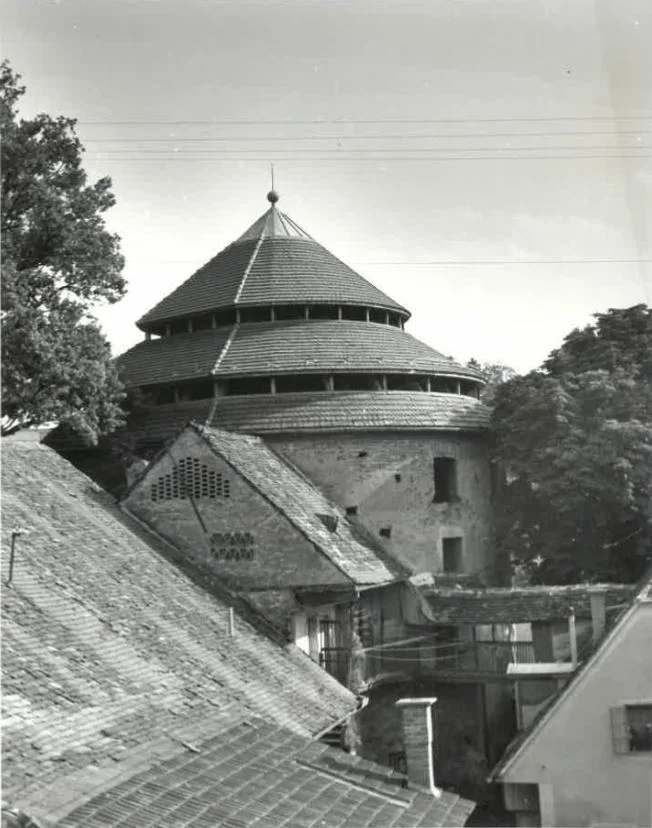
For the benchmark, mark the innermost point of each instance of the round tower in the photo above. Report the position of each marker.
(277, 337)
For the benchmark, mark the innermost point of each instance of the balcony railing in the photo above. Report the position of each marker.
(431, 656)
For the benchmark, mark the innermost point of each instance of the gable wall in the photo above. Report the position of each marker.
(418, 525)
(277, 554)
(573, 753)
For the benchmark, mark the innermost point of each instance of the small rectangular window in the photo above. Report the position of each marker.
(452, 554)
(445, 474)
(631, 726)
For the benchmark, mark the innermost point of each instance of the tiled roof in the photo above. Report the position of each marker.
(343, 411)
(128, 701)
(302, 503)
(332, 345)
(302, 271)
(271, 271)
(273, 224)
(512, 606)
(214, 285)
(107, 645)
(180, 357)
(256, 774)
(265, 348)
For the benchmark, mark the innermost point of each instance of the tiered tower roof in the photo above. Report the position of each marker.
(276, 315)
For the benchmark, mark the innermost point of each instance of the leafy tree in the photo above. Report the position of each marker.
(58, 260)
(495, 373)
(575, 442)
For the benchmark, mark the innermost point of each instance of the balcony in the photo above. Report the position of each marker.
(432, 657)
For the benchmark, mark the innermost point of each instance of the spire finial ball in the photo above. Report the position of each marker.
(272, 196)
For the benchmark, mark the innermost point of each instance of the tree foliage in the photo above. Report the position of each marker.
(58, 260)
(575, 442)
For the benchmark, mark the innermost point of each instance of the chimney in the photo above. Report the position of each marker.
(598, 598)
(417, 737)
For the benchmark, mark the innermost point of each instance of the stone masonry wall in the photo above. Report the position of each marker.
(241, 536)
(389, 478)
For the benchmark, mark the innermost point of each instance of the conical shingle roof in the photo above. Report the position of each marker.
(288, 336)
(273, 262)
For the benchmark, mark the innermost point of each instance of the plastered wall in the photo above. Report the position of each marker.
(242, 537)
(389, 478)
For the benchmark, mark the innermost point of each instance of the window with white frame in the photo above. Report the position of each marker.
(631, 726)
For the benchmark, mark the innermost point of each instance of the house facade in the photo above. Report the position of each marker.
(586, 760)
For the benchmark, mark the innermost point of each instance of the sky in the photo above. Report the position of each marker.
(487, 163)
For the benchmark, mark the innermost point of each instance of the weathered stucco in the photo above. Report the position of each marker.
(582, 780)
(389, 478)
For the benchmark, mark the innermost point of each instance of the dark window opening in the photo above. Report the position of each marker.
(386, 532)
(395, 320)
(406, 382)
(203, 322)
(164, 394)
(225, 317)
(324, 312)
(445, 475)
(377, 316)
(352, 510)
(363, 454)
(248, 385)
(397, 477)
(632, 728)
(178, 326)
(300, 383)
(354, 313)
(357, 382)
(639, 721)
(196, 390)
(284, 312)
(255, 314)
(440, 385)
(160, 331)
(452, 554)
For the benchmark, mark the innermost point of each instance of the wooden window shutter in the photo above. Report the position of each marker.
(620, 729)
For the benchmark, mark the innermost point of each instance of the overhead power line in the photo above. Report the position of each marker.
(372, 150)
(376, 137)
(343, 158)
(323, 121)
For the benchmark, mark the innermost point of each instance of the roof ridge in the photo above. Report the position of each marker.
(248, 268)
(205, 432)
(225, 348)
